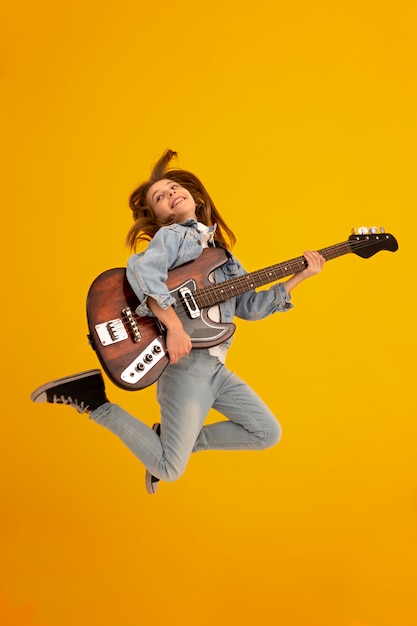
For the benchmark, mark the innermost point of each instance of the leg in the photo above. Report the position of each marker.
(185, 398)
(141, 440)
(182, 393)
(252, 425)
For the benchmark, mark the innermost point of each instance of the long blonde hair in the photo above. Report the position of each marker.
(147, 224)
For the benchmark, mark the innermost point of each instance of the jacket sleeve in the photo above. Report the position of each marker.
(147, 272)
(255, 305)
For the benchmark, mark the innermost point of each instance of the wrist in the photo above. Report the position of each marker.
(295, 280)
(173, 324)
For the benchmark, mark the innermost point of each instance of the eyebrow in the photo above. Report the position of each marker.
(171, 182)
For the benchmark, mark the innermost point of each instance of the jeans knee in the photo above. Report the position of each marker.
(273, 434)
(172, 473)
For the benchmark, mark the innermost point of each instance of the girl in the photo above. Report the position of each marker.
(175, 214)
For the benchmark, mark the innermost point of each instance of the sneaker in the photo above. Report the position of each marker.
(152, 482)
(84, 391)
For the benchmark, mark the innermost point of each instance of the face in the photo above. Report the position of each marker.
(166, 197)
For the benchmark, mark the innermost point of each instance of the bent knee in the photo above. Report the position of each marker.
(171, 473)
(272, 435)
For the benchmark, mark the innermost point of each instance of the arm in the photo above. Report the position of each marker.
(147, 271)
(315, 263)
(178, 342)
(258, 304)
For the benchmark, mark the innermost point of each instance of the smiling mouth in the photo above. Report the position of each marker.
(177, 201)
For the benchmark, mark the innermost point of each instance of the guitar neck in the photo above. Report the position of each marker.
(215, 294)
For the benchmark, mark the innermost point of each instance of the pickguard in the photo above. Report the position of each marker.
(199, 327)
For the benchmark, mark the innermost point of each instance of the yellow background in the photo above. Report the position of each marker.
(300, 117)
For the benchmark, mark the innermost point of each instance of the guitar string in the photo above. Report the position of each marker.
(208, 291)
(212, 290)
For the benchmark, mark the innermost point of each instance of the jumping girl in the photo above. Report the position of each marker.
(174, 213)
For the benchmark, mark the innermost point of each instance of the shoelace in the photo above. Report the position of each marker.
(81, 407)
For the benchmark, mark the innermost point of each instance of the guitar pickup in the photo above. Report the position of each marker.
(111, 332)
(189, 302)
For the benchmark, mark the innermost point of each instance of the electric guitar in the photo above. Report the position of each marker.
(132, 349)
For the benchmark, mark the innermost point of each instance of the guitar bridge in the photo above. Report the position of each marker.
(130, 320)
(111, 332)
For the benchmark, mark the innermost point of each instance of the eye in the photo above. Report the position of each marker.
(174, 186)
(158, 198)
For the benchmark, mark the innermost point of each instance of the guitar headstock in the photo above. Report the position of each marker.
(368, 241)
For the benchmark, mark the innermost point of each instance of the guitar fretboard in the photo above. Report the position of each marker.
(214, 294)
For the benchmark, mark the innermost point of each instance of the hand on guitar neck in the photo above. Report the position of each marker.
(315, 264)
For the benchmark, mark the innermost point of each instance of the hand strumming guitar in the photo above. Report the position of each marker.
(177, 340)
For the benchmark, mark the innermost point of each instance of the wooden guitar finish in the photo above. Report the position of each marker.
(132, 349)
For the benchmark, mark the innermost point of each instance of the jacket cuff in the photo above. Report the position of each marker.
(283, 299)
(164, 302)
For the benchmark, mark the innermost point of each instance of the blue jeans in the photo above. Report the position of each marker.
(186, 392)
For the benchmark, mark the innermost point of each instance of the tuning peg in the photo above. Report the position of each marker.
(363, 230)
(382, 230)
(373, 230)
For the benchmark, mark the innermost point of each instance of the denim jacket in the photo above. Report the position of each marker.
(175, 245)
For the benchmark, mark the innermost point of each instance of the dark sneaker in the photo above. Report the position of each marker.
(152, 482)
(84, 391)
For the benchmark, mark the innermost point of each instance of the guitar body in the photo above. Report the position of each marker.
(131, 349)
(185, 281)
